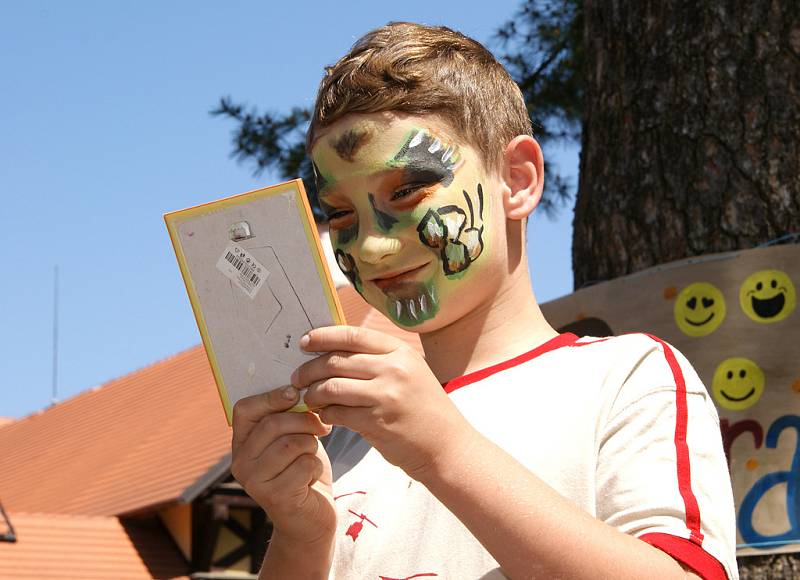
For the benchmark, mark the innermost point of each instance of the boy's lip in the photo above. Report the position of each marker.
(388, 280)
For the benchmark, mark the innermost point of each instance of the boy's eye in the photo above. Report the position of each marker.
(407, 190)
(340, 219)
(338, 214)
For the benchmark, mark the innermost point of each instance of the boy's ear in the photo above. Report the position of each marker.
(523, 175)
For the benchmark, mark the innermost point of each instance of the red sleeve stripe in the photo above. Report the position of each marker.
(687, 553)
(681, 446)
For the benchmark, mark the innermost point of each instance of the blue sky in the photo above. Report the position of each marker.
(105, 125)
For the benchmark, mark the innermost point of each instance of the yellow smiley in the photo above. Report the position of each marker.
(737, 384)
(767, 296)
(699, 309)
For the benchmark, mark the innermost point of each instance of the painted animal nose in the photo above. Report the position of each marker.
(376, 248)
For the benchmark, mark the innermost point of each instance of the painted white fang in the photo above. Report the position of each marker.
(398, 308)
(435, 146)
(411, 309)
(423, 304)
(448, 152)
(416, 140)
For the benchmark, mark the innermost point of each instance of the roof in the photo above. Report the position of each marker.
(135, 442)
(64, 546)
(146, 439)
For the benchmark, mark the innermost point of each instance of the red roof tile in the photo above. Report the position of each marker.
(81, 547)
(138, 441)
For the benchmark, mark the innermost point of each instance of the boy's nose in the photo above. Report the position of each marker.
(375, 248)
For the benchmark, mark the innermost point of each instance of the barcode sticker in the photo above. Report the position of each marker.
(242, 269)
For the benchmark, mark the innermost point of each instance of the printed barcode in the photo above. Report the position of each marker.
(237, 263)
(245, 270)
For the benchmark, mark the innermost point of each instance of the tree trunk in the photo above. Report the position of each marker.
(691, 133)
(691, 142)
(772, 567)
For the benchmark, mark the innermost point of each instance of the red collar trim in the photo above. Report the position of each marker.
(565, 339)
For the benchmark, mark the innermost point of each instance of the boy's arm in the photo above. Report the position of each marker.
(653, 421)
(379, 387)
(277, 458)
(535, 532)
(288, 559)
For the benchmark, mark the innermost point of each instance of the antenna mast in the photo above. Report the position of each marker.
(55, 338)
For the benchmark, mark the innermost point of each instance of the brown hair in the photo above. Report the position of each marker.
(422, 70)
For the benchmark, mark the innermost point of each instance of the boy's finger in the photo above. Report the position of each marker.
(249, 411)
(302, 472)
(334, 364)
(339, 391)
(276, 425)
(349, 339)
(354, 418)
(281, 453)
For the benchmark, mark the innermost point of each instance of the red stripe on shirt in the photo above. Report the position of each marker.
(682, 447)
(561, 340)
(687, 553)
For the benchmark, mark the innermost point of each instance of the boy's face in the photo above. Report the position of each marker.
(410, 214)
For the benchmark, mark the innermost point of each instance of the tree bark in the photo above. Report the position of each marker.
(690, 144)
(770, 567)
(691, 131)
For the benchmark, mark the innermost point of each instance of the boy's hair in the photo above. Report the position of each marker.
(423, 70)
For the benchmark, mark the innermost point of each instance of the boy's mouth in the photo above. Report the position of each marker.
(394, 280)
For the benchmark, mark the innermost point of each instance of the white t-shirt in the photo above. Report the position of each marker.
(622, 426)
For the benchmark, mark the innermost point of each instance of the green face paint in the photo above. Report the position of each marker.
(412, 303)
(426, 158)
(384, 220)
(348, 267)
(407, 217)
(444, 230)
(343, 235)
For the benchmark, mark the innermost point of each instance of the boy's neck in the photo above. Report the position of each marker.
(510, 325)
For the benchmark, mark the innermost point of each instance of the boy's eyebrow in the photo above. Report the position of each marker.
(348, 143)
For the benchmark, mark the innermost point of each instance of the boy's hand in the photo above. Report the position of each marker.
(279, 462)
(377, 385)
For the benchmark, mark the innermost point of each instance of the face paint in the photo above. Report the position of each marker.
(384, 220)
(348, 267)
(349, 142)
(426, 160)
(443, 230)
(344, 235)
(319, 179)
(411, 303)
(412, 208)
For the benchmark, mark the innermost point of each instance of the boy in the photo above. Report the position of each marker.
(544, 455)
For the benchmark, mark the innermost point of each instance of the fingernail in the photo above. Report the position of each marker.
(289, 393)
(304, 341)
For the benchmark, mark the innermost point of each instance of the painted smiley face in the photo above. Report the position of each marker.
(767, 296)
(699, 309)
(738, 383)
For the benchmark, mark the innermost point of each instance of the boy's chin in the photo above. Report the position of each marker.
(436, 322)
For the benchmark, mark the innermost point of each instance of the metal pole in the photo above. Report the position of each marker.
(55, 338)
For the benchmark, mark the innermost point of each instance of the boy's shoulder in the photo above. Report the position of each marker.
(636, 365)
(630, 349)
